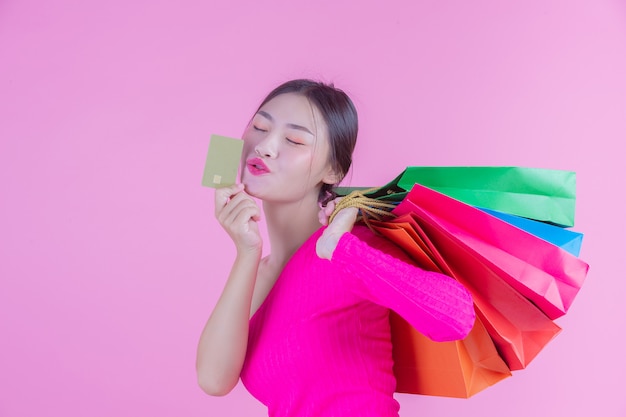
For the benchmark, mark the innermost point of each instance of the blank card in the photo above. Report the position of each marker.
(222, 161)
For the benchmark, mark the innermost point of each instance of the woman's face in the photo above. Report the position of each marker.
(285, 153)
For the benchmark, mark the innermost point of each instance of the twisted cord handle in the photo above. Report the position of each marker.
(369, 208)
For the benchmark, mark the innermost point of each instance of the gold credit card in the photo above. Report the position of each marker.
(222, 161)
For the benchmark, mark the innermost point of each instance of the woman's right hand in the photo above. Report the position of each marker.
(238, 214)
(223, 343)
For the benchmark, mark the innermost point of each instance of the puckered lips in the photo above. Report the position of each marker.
(256, 166)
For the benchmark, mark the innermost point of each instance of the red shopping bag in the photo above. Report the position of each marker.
(545, 274)
(517, 327)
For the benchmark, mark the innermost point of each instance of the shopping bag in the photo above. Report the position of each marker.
(545, 274)
(517, 327)
(501, 185)
(541, 194)
(459, 368)
(568, 240)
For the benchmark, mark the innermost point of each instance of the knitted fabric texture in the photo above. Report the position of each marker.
(320, 343)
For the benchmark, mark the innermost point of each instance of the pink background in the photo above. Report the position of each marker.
(110, 259)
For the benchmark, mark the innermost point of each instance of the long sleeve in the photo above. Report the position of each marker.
(436, 305)
(320, 344)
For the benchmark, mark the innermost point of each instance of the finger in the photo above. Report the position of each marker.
(242, 222)
(329, 209)
(322, 217)
(249, 206)
(237, 203)
(247, 214)
(223, 195)
(335, 203)
(346, 217)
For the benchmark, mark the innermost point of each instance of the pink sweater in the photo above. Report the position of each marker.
(319, 345)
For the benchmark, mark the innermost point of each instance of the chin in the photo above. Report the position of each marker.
(251, 189)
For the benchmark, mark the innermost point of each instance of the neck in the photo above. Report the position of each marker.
(289, 225)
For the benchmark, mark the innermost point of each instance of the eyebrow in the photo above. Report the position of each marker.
(289, 125)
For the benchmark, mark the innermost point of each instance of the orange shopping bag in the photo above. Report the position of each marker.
(459, 368)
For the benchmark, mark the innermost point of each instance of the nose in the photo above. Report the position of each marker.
(267, 147)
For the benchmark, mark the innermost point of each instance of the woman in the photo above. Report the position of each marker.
(306, 328)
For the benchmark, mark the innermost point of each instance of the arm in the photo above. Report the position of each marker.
(433, 303)
(224, 339)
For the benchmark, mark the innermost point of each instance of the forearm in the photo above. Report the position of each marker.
(435, 304)
(224, 339)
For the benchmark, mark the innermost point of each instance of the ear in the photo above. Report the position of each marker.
(331, 177)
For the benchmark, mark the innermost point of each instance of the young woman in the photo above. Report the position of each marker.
(306, 328)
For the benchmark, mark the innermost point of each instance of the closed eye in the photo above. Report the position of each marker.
(258, 129)
(295, 142)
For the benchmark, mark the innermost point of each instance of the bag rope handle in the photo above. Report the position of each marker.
(369, 208)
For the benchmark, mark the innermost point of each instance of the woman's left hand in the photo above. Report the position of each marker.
(342, 223)
(326, 211)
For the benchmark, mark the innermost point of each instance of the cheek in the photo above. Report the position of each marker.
(312, 168)
(321, 160)
(249, 142)
(248, 147)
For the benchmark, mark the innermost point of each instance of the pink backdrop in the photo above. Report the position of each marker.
(110, 259)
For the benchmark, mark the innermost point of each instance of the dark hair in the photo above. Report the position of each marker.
(340, 117)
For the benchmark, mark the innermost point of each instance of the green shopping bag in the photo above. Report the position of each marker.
(547, 195)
